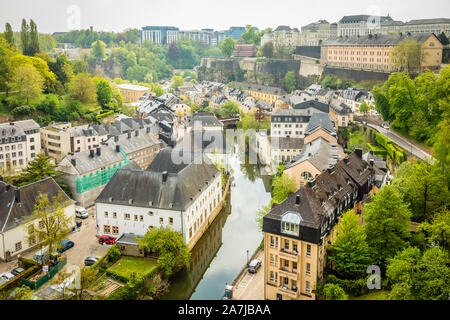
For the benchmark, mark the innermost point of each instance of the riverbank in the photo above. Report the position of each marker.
(250, 286)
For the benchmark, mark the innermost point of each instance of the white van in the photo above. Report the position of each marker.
(81, 212)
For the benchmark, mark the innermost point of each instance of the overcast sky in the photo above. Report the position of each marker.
(117, 15)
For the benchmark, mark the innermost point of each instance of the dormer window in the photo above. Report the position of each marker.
(290, 223)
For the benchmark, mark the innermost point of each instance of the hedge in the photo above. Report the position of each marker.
(353, 287)
(394, 151)
(104, 115)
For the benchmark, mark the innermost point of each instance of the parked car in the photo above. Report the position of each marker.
(81, 212)
(65, 245)
(8, 276)
(254, 266)
(89, 261)
(385, 125)
(17, 271)
(106, 239)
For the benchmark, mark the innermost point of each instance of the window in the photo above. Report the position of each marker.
(161, 220)
(141, 218)
(115, 230)
(170, 220)
(135, 217)
(190, 232)
(294, 247)
(308, 287)
(294, 266)
(271, 276)
(308, 268)
(306, 175)
(127, 216)
(18, 246)
(272, 261)
(286, 281)
(150, 213)
(272, 242)
(106, 229)
(308, 250)
(115, 215)
(106, 214)
(286, 245)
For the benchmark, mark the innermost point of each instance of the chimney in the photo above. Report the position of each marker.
(117, 148)
(129, 135)
(371, 162)
(358, 152)
(99, 151)
(116, 138)
(91, 153)
(136, 133)
(74, 162)
(164, 176)
(297, 200)
(17, 195)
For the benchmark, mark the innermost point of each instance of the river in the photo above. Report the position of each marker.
(221, 253)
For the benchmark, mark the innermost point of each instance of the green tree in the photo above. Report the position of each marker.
(282, 186)
(157, 89)
(350, 251)
(33, 45)
(251, 36)
(414, 276)
(25, 37)
(268, 50)
(9, 35)
(174, 51)
(382, 104)
(87, 278)
(227, 46)
(387, 229)
(37, 169)
(229, 109)
(334, 292)
(83, 88)
(290, 81)
(27, 81)
(104, 93)
(364, 107)
(423, 186)
(54, 224)
(407, 56)
(98, 50)
(438, 229)
(177, 81)
(169, 246)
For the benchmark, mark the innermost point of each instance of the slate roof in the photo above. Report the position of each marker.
(84, 163)
(11, 133)
(374, 40)
(312, 104)
(146, 188)
(210, 141)
(428, 21)
(320, 198)
(14, 213)
(287, 143)
(340, 108)
(130, 143)
(320, 121)
(319, 152)
(28, 124)
(283, 28)
(361, 17)
(207, 119)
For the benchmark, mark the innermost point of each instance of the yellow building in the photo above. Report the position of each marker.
(132, 93)
(260, 92)
(373, 52)
(298, 230)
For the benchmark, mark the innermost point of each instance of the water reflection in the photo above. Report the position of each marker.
(222, 252)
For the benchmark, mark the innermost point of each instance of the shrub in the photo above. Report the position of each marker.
(353, 287)
(114, 254)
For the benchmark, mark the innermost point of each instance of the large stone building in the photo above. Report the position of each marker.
(315, 33)
(284, 36)
(260, 92)
(132, 93)
(185, 197)
(373, 52)
(360, 25)
(20, 143)
(298, 230)
(427, 26)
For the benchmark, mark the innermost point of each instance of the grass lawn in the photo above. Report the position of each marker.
(358, 139)
(127, 265)
(375, 295)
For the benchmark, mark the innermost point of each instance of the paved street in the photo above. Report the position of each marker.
(402, 142)
(86, 245)
(250, 286)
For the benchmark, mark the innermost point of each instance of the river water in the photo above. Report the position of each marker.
(221, 253)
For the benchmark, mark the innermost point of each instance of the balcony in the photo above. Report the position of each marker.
(285, 272)
(288, 255)
(290, 292)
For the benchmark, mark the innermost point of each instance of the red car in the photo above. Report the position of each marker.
(106, 239)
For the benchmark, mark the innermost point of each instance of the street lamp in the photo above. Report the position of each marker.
(247, 256)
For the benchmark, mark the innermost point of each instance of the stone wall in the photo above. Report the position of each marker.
(356, 75)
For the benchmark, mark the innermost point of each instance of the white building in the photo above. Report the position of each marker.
(16, 211)
(20, 143)
(185, 197)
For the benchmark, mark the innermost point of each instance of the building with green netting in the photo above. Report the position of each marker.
(87, 172)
